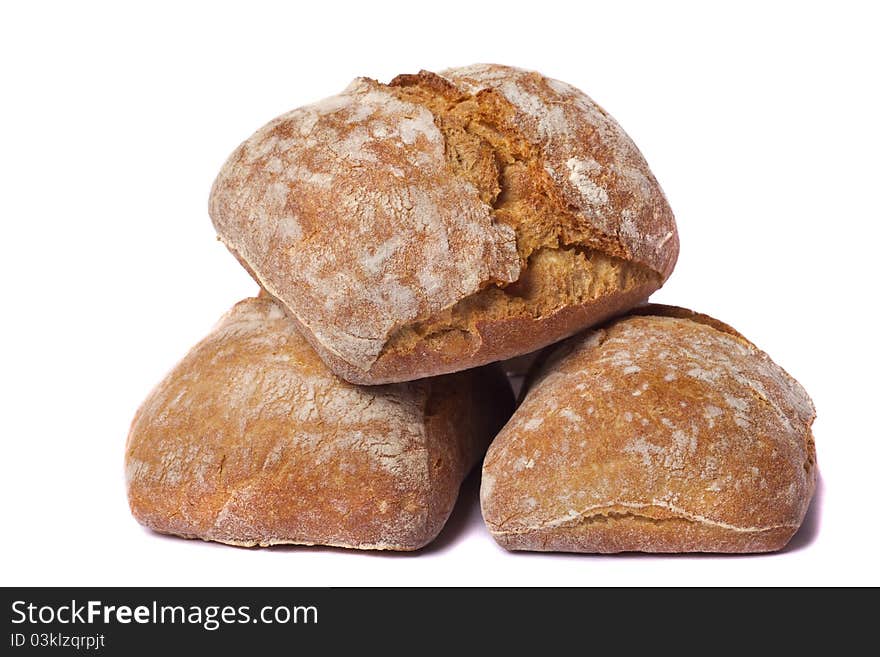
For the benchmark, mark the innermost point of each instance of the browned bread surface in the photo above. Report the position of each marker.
(445, 221)
(664, 431)
(250, 440)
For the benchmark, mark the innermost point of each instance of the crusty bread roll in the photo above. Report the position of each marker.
(250, 440)
(441, 222)
(664, 431)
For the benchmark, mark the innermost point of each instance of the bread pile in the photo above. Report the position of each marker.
(407, 237)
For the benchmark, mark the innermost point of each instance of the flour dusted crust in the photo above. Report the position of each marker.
(596, 165)
(250, 440)
(442, 222)
(665, 431)
(345, 212)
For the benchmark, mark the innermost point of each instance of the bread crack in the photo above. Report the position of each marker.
(578, 521)
(485, 147)
(564, 260)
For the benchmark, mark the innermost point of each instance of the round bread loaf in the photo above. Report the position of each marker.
(664, 431)
(250, 440)
(441, 222)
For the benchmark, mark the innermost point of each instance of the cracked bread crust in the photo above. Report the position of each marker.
(345, 212)
(664, 431)
(421, 227)
(250, 440)
(596, 168)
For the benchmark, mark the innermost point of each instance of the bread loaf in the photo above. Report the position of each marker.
(250, 440)
(444, 221)
(664, 431)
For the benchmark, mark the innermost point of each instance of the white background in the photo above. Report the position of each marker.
(760, 122)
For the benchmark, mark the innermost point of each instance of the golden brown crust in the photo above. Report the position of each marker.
(634, 532)
(597, 168)
(489, 341)
(474, 405)
(250, 440)
(663, 431)
(380, 213)
(345, 211)
(663, 310)
(540, 360)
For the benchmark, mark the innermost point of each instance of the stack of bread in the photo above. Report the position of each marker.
(409, 237)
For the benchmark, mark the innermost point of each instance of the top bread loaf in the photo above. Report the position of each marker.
(444, 221)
